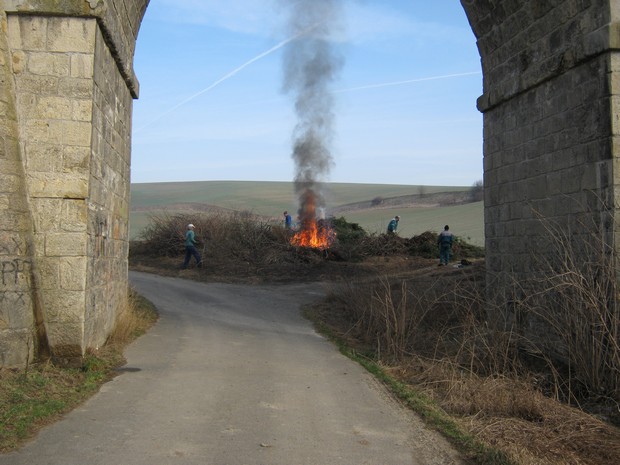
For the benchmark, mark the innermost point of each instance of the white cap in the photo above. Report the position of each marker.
(190, 226)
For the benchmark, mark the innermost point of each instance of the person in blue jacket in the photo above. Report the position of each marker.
(393, 225)
(190, 247)
(288, 221)
(444, 241)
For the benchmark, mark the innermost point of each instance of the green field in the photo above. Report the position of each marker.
(271, 198)
(466, 221)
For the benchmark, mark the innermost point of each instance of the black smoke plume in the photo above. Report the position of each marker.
(311, 64)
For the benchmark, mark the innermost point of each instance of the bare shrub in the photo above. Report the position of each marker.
(423, 245)
(378, 245)
(437, 338)
(566, 331)
(244, 239)
(390, 320)
(164, 235)
(236, 242)
(471, 343)
(396, 317)
(575, 300)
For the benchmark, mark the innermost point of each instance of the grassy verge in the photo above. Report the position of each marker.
(433, 415)
(33, 398)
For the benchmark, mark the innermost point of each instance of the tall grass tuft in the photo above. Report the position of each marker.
(136, 316)
(575, 302)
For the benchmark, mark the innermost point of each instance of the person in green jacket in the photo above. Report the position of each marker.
(190, 248)
(393, 225)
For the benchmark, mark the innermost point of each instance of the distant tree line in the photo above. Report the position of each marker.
(477, 191)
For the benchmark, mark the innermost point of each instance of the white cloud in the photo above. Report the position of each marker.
(365, 20)
(369, 20)
(243, 16)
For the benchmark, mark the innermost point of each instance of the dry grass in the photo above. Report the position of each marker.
(513, 415)
(137, 316)
(430, 332)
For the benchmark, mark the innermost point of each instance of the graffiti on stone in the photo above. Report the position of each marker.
(11, 247)
(12, 270)
(14, 298)
(14, 310)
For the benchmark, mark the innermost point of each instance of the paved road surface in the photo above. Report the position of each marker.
(233, 375)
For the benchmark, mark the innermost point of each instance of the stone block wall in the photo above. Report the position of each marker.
(549, 152)
(52, 64)
(548, 156)
(17, 299)
(67, 85)
(108, 219)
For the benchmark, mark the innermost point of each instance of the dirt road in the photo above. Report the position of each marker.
(233, 375)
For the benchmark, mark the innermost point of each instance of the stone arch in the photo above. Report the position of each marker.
(550, 80)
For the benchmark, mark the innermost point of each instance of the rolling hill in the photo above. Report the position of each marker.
(421, 208)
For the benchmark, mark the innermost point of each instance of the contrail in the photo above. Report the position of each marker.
(366, 86)
(229, 75)
(408, 81)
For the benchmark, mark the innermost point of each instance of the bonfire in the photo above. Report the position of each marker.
(313, 233)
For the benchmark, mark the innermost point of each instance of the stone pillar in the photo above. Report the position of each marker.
(52, 63)
(550, 109)
(65, 137)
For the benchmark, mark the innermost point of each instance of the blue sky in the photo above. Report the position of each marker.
(211, 105)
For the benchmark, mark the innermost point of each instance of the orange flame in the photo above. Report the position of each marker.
(314, 235)
(317, 234)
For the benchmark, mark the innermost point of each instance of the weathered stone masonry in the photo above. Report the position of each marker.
(551, 129)
(66, 99)
(550, 107)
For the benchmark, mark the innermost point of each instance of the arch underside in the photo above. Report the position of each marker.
(550, 72)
